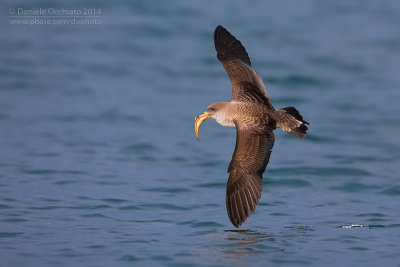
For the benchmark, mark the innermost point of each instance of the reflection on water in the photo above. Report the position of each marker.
(245, 241)
(301, 229)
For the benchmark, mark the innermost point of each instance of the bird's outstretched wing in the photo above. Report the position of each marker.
(251, 157)
(247, 85)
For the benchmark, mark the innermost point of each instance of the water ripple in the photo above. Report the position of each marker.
(211, 185)
(199, 224)
(113, 200)
(355, 187)
(164, 206)
(50, 171)
(10, 234)
(173, 190)
(129, 258)
(392, 191)
(286, 182)
(298, 80)
(320, 171)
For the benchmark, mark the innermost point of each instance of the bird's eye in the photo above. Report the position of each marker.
(212, 109)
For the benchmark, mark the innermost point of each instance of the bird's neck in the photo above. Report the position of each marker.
(223, 117)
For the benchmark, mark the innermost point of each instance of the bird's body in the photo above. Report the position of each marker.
(244, 112)
(254, 118)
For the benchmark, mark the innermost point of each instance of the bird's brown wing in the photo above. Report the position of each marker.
(247, 85)
(251, 157)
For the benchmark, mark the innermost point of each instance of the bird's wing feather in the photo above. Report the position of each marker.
(244, 79)
(251, 157)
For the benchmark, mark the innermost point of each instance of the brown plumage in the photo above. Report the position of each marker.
(254, 118)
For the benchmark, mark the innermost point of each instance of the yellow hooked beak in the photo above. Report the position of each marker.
(199, 120)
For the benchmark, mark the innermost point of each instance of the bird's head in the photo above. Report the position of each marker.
(211, 112)
(212, 109)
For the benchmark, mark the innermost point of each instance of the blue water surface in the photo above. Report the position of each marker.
(99, 164)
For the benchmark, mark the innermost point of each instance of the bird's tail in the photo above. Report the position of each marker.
(292, 122)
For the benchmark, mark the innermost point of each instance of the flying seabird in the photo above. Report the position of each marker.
(254, 118)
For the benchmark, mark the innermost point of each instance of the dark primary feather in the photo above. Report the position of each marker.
(228, 46)
(246, 83)
(251, 157)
